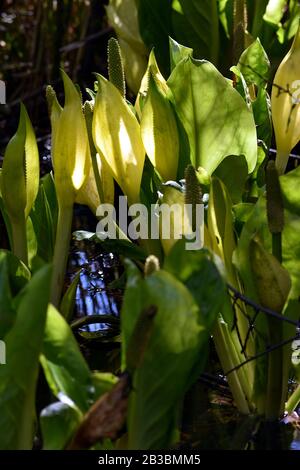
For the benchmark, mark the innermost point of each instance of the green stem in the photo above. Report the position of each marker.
(19, 240)
(61, 252)
(293, 401)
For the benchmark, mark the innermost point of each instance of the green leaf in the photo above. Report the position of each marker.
(262, 116)
(43, 225)
(220, 226)
(132, 302)
(198, 271)
(14, 276)
(18, 377)
(103, 382)
(48, 184)
(176, 353)
(275, 11)
(233, 165)
(8, 313)
(178, 52)
(18, 273)
(226, 15)
(196, 25)
(68, 301)
(65, 368)
(255, 65)
(58, 424)
(290, 187)
(213, 114)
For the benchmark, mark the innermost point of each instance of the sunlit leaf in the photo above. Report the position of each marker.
(213, 114)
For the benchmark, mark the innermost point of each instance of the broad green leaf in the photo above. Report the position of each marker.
(196, 25)
(18, 377)
(255, 65)
(233, 165)
(65, 368)
(178, 52)
(58, 421)
(215, 117)
(180, 341)
(116, 134)
(198, 271)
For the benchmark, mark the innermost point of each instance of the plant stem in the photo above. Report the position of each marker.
(61, 252)
(293, 401)
(19, 240)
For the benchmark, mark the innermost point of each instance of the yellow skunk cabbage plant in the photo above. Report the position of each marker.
(20, 182)
(159, 130)
(71, 162)
(117, 136)
(286, 104)
(99, 185)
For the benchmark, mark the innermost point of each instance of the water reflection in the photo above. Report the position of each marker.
(94, 296)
